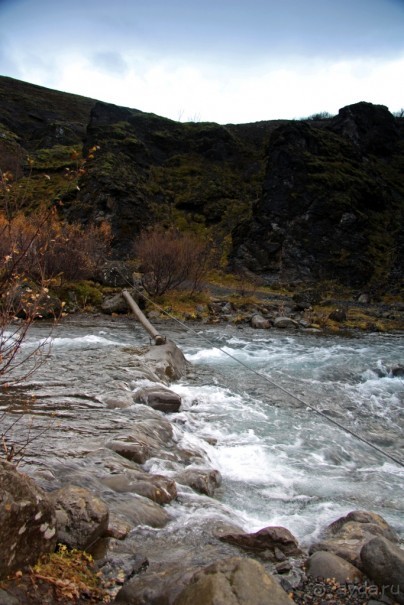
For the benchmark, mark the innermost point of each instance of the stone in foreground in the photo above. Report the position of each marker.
(233, 581)
(27, 521)
(383, 562)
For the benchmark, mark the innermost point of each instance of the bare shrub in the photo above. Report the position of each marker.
(44, 247)
(170, 260)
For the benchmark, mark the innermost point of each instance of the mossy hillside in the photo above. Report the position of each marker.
(198, 177)
(41, 117)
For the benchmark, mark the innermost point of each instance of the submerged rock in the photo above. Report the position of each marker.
(27, 521)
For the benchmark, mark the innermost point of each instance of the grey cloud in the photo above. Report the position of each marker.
(110, 61)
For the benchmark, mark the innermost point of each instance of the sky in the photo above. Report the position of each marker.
(225, 61)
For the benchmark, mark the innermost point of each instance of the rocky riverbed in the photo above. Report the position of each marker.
(356, 559)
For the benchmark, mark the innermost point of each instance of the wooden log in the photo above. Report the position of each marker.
(158, 339)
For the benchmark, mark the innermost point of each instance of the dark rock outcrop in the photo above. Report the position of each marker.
(332, 202)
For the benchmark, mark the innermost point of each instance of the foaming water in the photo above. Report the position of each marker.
(281, 463)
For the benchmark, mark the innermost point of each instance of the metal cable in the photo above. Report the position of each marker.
(275, 384)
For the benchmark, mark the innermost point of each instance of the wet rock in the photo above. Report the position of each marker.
(113, 400)
(324, 564)
(82, 517)
(269, 540)
(130, 447)
(27, 521)
(167, 361)
(141, 511)
(233, 581)
(155, 487)
(151, 435)
(159, 398)
(383, 562)
(203, 481)
(259, 322)
(346, 536)
(143, 372)
(285, 323)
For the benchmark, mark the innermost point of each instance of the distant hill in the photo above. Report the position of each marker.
(288, 200)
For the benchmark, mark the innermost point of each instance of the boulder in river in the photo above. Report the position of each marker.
(82, 517)
(276, 543)
(27, 521)
(203, 481)
(346, 536)
(159, 398)
(167, 361)
(383, 562)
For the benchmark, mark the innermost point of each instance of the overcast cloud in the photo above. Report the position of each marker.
(220, 60)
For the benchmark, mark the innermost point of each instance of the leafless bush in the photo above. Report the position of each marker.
(44, 247)
(170, 260)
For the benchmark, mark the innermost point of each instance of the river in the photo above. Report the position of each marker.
(281, 463)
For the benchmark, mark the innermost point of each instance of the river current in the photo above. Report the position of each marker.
(281, 463)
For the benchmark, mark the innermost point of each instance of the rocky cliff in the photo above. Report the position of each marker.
(332, 202)
(288, 200)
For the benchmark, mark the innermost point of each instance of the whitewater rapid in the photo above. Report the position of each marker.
(281, 463)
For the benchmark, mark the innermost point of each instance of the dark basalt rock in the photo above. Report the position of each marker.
(330, 207)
